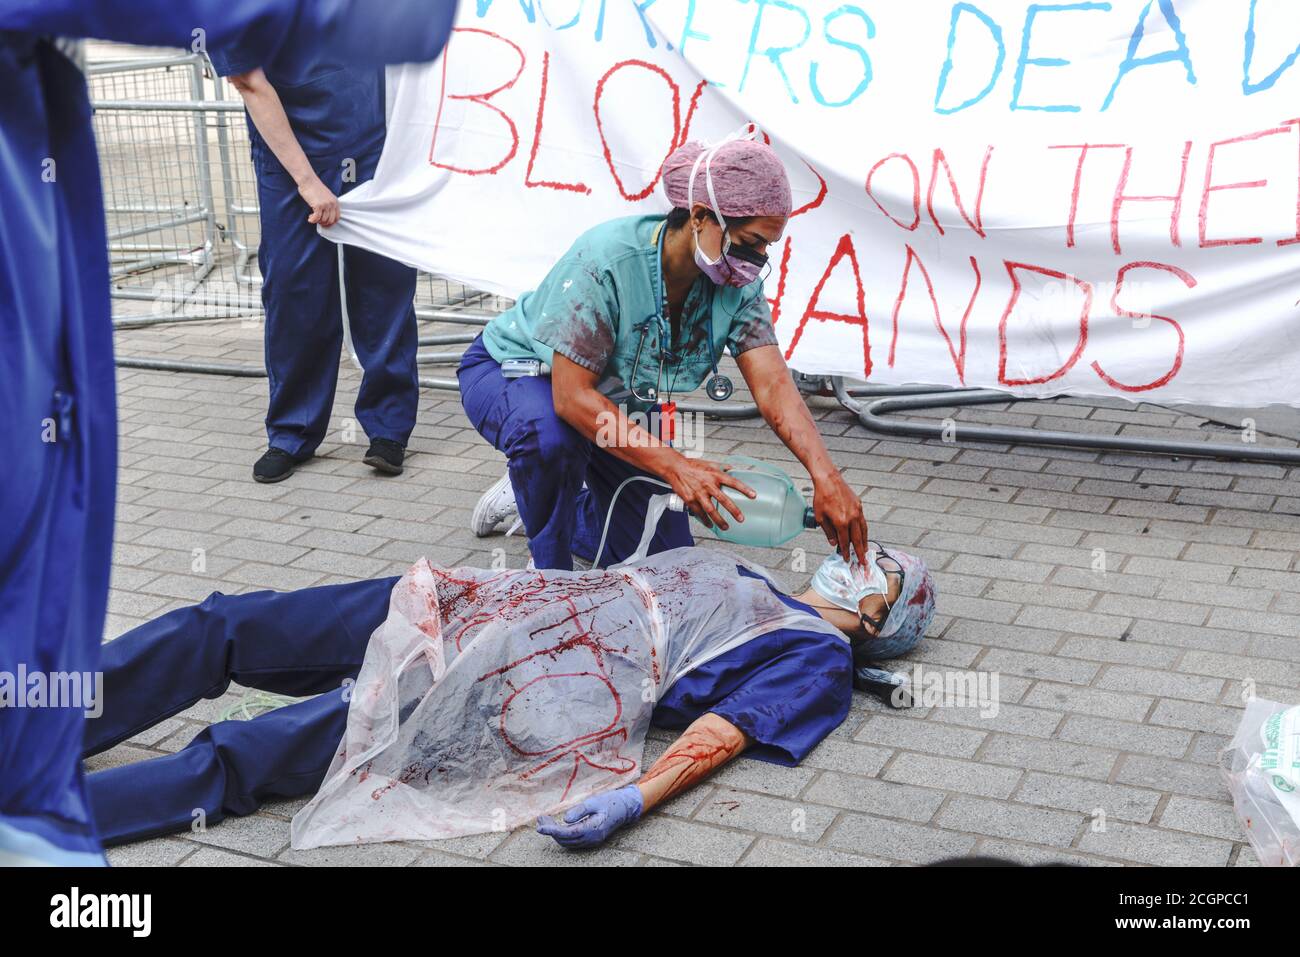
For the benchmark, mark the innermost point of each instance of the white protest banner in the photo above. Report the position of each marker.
(1100, 198)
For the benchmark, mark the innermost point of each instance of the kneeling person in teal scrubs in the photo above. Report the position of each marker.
(649, 301)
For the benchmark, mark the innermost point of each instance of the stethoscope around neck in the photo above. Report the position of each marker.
(719, 387)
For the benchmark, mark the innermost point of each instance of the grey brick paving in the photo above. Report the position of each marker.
(1009, 820)
(1117, 683)
(856, 793)
(1149, 845)
(967, 777)
(767, 853)
(1088, 797)
(895, 840)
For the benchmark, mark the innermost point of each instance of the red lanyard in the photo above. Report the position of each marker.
(668, 422)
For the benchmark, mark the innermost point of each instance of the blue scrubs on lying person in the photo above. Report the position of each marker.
(774, 696)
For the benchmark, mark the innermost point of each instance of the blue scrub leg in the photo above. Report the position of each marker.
(304, 331)
(549, 462)
(58, 443)
(307, 642)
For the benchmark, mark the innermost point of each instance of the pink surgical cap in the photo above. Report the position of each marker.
(748, 179)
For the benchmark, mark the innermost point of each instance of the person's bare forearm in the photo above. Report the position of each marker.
(599, 420)
(837, 507)
(700, 484)
(267, 112)
(784, 410)
(710, 742)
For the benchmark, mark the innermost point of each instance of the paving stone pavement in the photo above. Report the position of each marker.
(1122, 601)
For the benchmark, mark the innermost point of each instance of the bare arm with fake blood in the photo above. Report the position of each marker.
(709, 743)
(837, 507)
(699, 483)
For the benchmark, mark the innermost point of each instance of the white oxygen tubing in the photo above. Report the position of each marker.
(609, 514)
(255, 703)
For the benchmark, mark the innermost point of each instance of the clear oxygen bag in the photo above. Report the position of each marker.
(488, 698)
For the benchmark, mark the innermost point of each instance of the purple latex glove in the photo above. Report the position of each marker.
(595, 819)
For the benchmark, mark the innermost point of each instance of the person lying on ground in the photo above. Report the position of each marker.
(480, 701)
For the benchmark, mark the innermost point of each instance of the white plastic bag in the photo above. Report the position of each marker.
(1262, 768)
(488, 698)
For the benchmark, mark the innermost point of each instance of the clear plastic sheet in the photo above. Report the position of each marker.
(488, 698)
(1262, 769)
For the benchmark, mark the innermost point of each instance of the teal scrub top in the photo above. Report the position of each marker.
(592, 305)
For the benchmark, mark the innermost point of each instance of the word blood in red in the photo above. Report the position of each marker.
(678, 131)
(537, 140)
(482, 98)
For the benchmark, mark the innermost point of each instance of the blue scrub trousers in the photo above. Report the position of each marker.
(308, 642)
(563, 483)
(786, 689)
(304, 331)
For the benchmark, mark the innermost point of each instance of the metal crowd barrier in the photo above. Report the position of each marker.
(873, 415)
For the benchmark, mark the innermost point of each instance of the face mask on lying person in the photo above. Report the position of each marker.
(892, 595)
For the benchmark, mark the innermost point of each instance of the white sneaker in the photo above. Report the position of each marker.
(496, 505)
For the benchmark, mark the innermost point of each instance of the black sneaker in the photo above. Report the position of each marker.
(276, 465)
(891, 687)
(386, 456)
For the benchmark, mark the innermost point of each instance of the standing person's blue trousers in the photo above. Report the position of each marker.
(304, 325)
(563, 483)
(786, 689)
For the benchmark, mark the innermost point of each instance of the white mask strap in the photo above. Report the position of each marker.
(747, 132)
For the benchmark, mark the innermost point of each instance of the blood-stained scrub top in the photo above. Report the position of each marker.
(594, 303)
